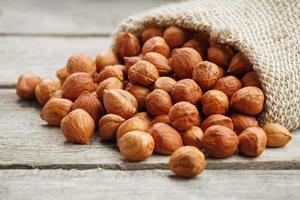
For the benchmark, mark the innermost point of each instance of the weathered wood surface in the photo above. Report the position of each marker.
(68, 17)
(42, 55)
(26, 142)
(149, 184)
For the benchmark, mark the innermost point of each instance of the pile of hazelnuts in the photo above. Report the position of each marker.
(168, 90)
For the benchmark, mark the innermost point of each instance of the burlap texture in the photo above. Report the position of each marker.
(266, 31)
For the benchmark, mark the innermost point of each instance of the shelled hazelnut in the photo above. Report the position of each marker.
(81, 62)
(156, 44)
(158, 102)
(193, 137)
(159, 61)
(26, 85)
(46, 89)
(186, 90)
(106, 58)
(143, 72)
(108, 126)
(109, 83)
(139, 92)
(277, 135)
(217, 119)
(165, 83)
(151, 32)
(127, 44)
(175, 36)
(220, 55)
(214, 102)
(110, 71)
(132, 124)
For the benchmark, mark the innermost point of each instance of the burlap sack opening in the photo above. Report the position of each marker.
(267, 32)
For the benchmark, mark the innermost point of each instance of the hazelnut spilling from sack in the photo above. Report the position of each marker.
(189, 80)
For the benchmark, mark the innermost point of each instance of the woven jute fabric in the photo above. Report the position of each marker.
(266, 31)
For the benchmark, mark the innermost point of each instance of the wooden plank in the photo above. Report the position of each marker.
(68, 17)
(42, 55)
(26, 142)
(149, 184)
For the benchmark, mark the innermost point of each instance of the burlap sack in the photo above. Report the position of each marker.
(267, 31)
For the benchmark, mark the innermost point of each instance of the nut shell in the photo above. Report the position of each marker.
(132, 124)
(277, 135)
(159, 61)
(217, 119)
(110, 83)
(108, 126)
(214, 102)
(175, 36)
(143, 72)
(242, 122)
(156, 44)
(229, 85)
(186, 90)
(139, 92)
(46, 89)
(26, 84)
(165, 83)
(158, 102)
(239, 65)
(220, 54)
(127, 44)
(81, 62)
(106, 58)
(193, 137)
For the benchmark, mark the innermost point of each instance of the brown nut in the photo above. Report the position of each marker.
(248, 100)
(62, 74)
(110, 71)
(201, 47)
(106, 58)
(239, 65)
(26, 84)
(108, 126)
(143, 116)
(251, 79)
(229, 85)
(216, 119)
(175, 36)
(166, 138)
(156, 44)
(81, 62)
(206, 74)
(220, 141)
(160, 119)
(119, 102)
(184, 60)
(165, 83)
(220, 54)
(242, 122)
(89, 102)
(184, 115)
(75, 84)
(277, 135)
(159, 61)
(214, 102)
(193, 137)
(55, 110)
(57, 94)
(78, 127)
(139, 92)
(136, 145)
(186, 90)
(129, 61)
(46, 89)
(110, 83)
(127, 44)
(158, 102)
(150, 33)
(187, 161)
(253, 141)
(132, 124)
(143, 72)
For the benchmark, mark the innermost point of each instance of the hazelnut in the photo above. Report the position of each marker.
(220, 141)
(26, 84)
(143, 72)
(78, 127)
(110, 71)
(193, 137)
(75, 84)
(143, 116)
(136, 145)
(253, 141)
(129, 61)
(55, 110)
(156, 44)
(127, 44)
(158, 102)
(110, 83)
(89, 102)
(46, 89)
(139, 92)
(62, 74)
(108, 126)
(229, 85)
(159, 61)
(242, 122)
(214, 102)
(175, 36)
(186, 90)
(132, 124)
(187, 161)
(81, 62)
(166, 138)
(160, 119)
(251, 79)
(106, 58)
(57, 94)
(206, 74)
(184, 115)
(119, 102)
(277, 135)
(184, 60)
(150, 33)
(165, 83)
(198, 46)
(248, 100)
(217, 119)
(239, 65)
(220, 54)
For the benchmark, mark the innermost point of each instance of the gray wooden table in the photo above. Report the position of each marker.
(36, 163)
